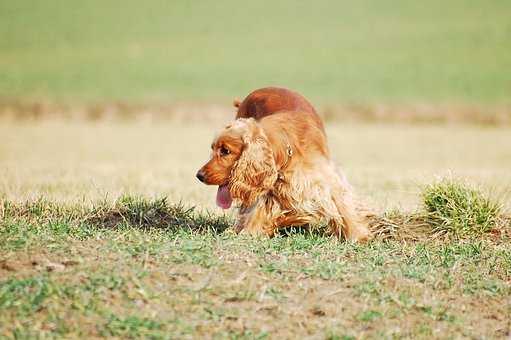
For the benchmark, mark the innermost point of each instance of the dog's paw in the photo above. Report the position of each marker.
(361, 234)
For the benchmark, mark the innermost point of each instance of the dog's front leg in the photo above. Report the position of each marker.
(352, 225)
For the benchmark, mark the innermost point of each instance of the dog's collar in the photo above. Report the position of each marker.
(289, 153)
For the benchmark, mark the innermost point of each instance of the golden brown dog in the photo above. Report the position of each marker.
(278, 171)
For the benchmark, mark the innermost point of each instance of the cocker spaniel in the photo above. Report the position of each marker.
(279, 173)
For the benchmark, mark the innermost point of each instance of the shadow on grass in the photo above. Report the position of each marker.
(156, 213)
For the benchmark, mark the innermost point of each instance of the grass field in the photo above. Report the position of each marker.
(67, 279)
(108, 108)
(63, 274)
(342, 51)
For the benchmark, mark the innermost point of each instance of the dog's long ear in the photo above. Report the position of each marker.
(255, 171)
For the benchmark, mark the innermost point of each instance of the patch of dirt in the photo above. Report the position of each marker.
(25, 265)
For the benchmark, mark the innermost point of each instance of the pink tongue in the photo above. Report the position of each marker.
(223, 197)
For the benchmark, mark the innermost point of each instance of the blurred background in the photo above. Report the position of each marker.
(409, 90)
(333, 51)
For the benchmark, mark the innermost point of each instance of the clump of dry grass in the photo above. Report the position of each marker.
(402, 226)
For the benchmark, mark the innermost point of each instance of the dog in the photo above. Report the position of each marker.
(278, 171)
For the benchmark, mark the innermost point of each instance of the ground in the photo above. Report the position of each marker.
(62, 276)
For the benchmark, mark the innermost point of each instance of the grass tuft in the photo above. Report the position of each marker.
(456, 207)
(451, 208)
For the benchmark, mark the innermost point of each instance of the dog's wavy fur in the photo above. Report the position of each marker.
(280, 174)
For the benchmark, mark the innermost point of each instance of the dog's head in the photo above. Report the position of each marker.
(241, 164)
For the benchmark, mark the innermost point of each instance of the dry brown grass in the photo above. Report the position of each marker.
(387, 164)
(413, 227)
(490, 115)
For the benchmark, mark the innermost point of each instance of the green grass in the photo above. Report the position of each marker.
(364, 51)
(65, 274)
(459, 208)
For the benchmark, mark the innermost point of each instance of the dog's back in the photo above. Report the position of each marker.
(270, 100)
(301, 131)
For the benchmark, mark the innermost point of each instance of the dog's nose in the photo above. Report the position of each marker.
(200, 176)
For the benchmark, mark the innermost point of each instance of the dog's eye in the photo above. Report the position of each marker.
(224, 151)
